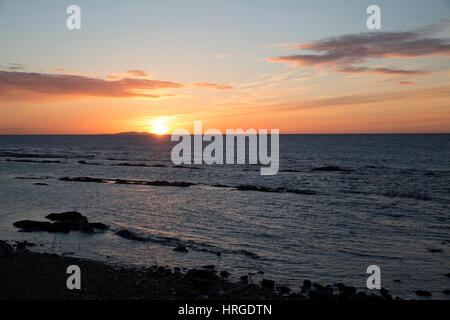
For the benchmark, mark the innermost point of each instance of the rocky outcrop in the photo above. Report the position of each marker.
(130, 235)
(63, 222)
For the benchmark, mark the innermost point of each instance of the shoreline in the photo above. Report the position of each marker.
(27, 275)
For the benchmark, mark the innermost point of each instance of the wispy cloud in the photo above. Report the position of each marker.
(140, 74)
(222, 56)
(364, 99)
(20, 85)
(208, 85)
(346, 53)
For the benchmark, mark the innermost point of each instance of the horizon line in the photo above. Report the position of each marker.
(162, 135)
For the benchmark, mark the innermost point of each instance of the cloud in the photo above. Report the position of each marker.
(60, 70)
(208, 85)
(14, 67)
(18, 85)
(222, 56)
(385, 71)
(363, 99)
(344, 53)
(140, 74)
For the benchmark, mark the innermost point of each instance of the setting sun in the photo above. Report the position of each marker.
(159, 126)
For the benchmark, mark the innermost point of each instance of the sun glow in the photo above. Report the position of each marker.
(159, 126)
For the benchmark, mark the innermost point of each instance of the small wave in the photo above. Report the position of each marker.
(175, 242)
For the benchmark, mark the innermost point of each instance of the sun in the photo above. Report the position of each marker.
(159, 126)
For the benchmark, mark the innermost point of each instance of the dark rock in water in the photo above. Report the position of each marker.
(71, 220)
(224, 274)
(6, 250)
(126, 164)
(268, 284)
(434, 250)
(64, 222)
(261, 272)
(181, 248)
(121, 181)
(246, 187)
(447, 275)
(91, 163)
(130, 235)
(169, 184)
(31, 226)
(40, 184)
(34, 161)
(99, 225)
(250, 254)
(72, 216)
(82, 179)
(397, 280)
(186, 167)
(243, 278)
(447, 292)
(423, 293)
(331, 168)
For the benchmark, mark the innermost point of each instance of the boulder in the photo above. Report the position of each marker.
(423, 293)
(268, 284)
(181, 248)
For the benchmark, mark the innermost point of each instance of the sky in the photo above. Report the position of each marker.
(298, 66)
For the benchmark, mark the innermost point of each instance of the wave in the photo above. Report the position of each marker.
(175, 242)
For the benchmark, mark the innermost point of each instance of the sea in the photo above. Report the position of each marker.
(339, 204)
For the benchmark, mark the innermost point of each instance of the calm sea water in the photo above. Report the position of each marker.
(390, 210)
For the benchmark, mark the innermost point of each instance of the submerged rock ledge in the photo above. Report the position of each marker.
(185, 184)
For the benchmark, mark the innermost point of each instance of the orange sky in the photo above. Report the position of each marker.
(317, 80)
